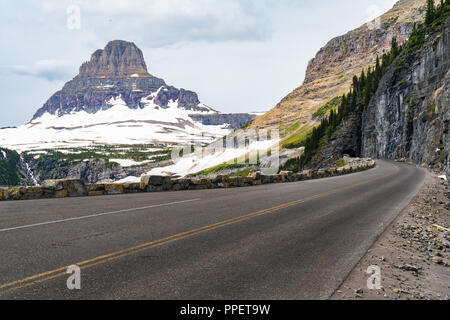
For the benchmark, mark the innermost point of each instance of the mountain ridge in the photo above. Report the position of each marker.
(330, 72)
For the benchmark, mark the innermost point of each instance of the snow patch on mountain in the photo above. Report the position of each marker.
(119, 124)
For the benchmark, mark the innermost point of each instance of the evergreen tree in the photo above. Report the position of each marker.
(378, 71)
(394, 48)
(430, 13)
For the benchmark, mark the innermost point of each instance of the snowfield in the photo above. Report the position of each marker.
(129, 162)
(117, 125)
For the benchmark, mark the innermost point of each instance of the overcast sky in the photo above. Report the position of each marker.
(238, 55)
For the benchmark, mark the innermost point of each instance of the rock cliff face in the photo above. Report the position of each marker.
(119, 59)
(346, 140)
(48, 167)
(409, 116)
(330, 73)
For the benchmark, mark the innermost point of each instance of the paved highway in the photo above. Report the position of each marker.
(281, 241)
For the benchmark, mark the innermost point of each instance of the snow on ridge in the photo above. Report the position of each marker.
(129, 162)
(117, 125)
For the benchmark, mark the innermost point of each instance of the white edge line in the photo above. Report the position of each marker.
(95, 215)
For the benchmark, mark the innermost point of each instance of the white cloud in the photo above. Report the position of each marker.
(51, 70)
(167, 22)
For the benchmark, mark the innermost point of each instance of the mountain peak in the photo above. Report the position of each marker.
(118, 59)
(117, 72)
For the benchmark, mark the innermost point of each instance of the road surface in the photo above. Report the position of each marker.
(280, 241)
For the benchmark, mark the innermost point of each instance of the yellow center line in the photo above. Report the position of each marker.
(52, 274)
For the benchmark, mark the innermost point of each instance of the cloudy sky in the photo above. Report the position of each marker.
(238, 55)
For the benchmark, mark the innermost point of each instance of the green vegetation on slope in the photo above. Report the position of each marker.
(9, 162)
(434, 18)
(136, 153)
(292, 128)
(326, 108)
(297, 139)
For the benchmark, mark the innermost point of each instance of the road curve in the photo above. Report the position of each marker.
(281, 241)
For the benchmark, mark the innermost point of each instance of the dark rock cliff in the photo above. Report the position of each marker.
(410, 113)
(235, 120)
(346, 140)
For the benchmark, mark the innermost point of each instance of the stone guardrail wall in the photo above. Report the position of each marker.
(77, 188)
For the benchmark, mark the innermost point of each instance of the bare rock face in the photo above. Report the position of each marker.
(119, 70)
(118, 59)
(409, 117)
(235, 120)
(346, 140)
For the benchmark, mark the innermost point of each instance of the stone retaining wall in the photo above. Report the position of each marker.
(77, 188)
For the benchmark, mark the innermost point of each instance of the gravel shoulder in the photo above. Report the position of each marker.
(413, 252)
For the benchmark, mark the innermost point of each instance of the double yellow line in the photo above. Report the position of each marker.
(45, 276)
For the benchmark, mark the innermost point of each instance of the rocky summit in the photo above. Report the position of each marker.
(118, 59)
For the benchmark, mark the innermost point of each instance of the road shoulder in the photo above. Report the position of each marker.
(412, 254)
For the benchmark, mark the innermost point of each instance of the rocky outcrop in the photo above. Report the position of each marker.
(409, 116)
(119, 59)
(235, 120)
(48, 167)
(345, 141)
(330, 73)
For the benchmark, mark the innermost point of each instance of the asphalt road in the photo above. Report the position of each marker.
(281, 241)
